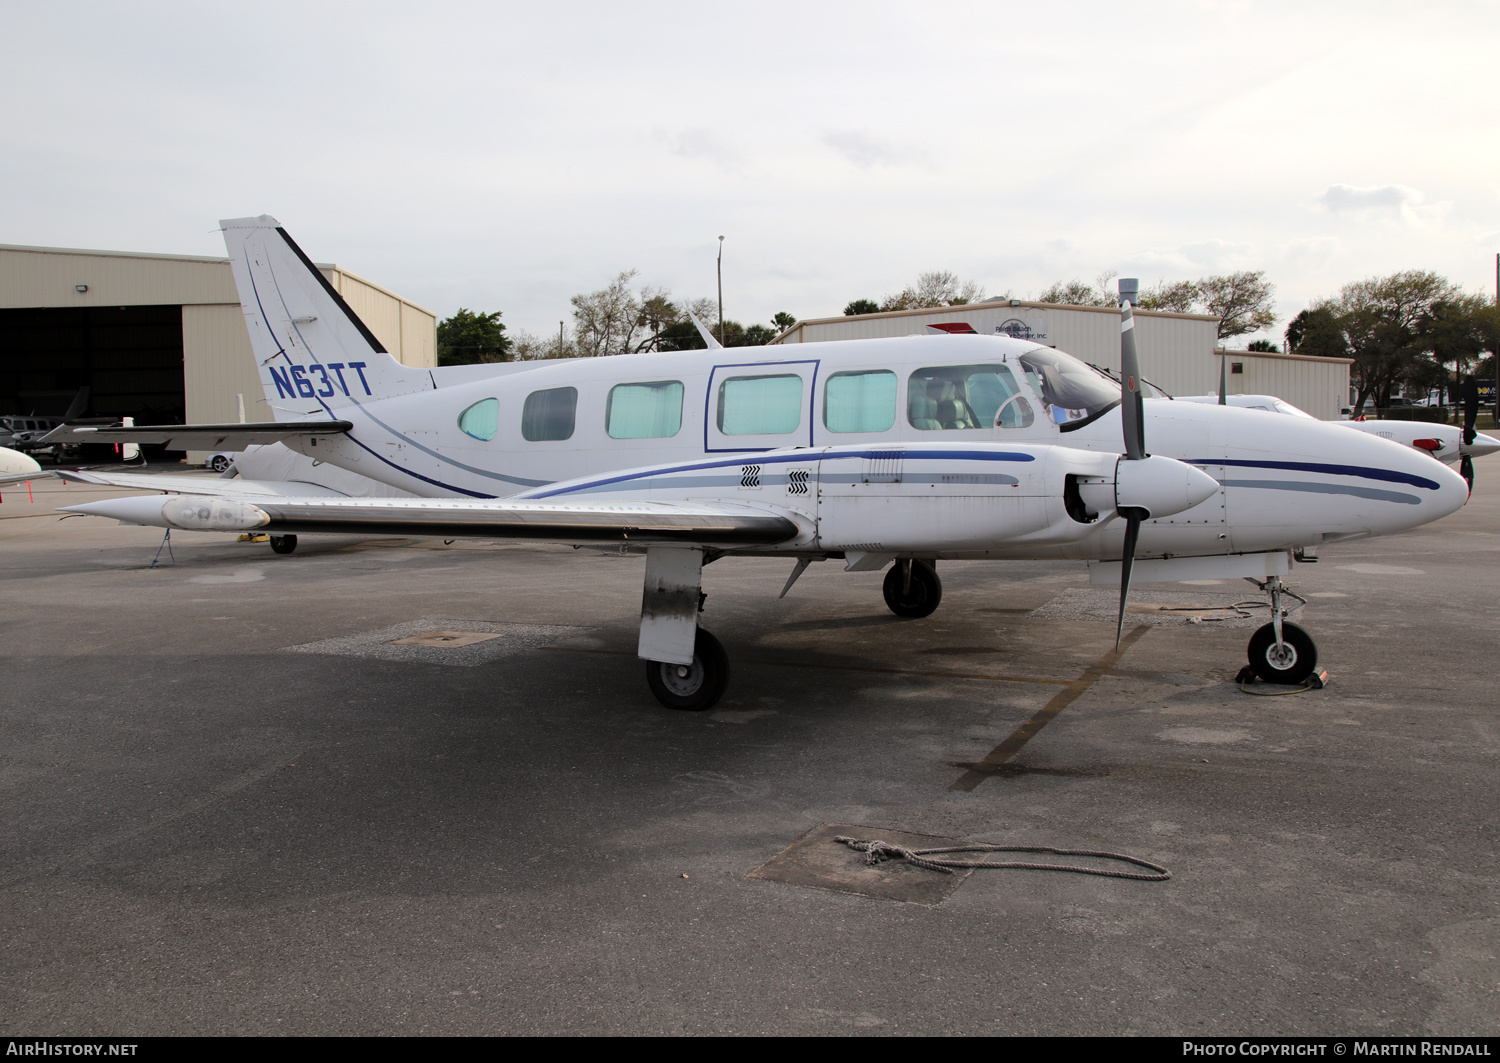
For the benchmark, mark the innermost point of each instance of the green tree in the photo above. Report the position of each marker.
(468, 338)
(862, 306)
(606, 321)
(1381, 319)
(757, 336)
(1241, 301)
(1263, 345)
(784, 321)
(1077, 293)
(1177, 298)
(681, 336)
(939, 288)
(1457, 330)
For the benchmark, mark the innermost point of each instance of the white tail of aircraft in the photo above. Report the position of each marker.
(313, 353)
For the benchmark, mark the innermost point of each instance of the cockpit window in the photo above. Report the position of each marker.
(1073, 392)
(965, 396)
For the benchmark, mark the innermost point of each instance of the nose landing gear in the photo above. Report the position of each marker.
(1281, 652)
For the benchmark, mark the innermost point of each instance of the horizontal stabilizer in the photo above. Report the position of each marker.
(199, 485)
(198, 436)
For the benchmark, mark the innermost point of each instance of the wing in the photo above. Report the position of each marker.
(706, 523)
(198, 436)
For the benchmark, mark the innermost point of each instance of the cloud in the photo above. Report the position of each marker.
(1186, 259)
(1396, 200)
(857, 147)
(700, 143)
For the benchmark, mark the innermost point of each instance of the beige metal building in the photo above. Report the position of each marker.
(1179, 352)
(160, 338)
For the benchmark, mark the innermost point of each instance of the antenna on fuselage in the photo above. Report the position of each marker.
(708, 337)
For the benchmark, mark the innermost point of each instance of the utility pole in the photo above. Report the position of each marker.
(559, 339)
(721, 288)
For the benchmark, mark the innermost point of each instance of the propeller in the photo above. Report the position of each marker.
(1470, 394)
(1132, 417)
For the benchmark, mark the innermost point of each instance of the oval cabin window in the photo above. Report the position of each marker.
(481, 420)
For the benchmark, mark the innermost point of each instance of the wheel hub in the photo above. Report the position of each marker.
(1281, 657)
(683, 679)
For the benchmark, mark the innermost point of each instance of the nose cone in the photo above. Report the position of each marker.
(1162, 486)
(1481, 446)
(1427, 490)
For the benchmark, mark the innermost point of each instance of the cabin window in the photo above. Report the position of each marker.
(548, 415)
(860, 401)
(481, 420)
(760, 405)
(644, 411)
(966, 396)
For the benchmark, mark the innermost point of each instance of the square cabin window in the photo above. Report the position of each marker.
(862, 401)
(548, 415)
(760, 405)
(644, 411)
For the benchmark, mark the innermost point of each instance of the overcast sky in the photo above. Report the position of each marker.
(505, 156)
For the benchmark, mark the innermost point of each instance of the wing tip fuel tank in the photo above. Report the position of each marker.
(196, 513)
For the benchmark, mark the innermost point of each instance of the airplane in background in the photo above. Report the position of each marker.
(25, 432)
(1448, 443)
(894, 454)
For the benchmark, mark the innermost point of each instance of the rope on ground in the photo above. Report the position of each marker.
(877, 852)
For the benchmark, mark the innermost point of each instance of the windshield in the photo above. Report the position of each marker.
(1073, 392)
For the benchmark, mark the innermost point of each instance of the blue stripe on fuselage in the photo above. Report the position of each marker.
(1388, 475)
(785, 459)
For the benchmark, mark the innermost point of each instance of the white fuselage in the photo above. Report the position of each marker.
(929, 491)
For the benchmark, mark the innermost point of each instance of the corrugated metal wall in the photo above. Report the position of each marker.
(217, 366)
(1318, 385)
(45, 277)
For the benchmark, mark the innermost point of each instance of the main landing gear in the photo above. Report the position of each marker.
(1281, 652)
(283, 544)
(912, 588)
(692, 687)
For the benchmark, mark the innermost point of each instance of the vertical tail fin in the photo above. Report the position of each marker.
(311, 350)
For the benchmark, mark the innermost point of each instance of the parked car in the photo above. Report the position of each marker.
(220, 460)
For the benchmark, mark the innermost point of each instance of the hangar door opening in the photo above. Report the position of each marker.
(130, 358)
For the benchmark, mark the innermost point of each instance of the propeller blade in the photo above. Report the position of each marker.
(1132, 410)
(1127, 559)
(1470, 395)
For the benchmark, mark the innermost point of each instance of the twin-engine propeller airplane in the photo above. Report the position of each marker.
(899, 452)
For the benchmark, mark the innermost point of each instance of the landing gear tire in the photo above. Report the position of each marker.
(1289, 664)
(283, 544)
(921, 598)
(692, 687)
